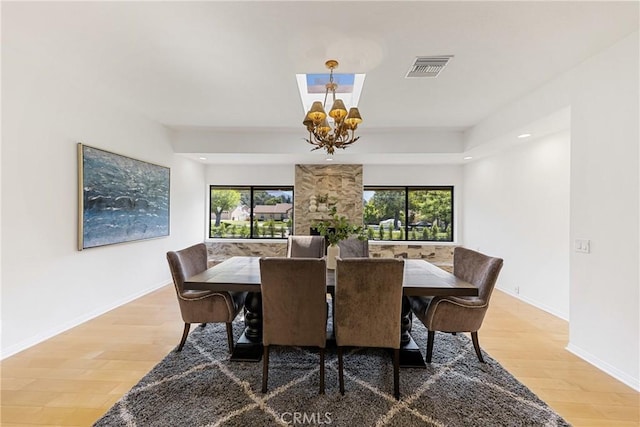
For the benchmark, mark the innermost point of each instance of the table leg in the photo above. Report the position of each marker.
(410, 356)
(249, 345)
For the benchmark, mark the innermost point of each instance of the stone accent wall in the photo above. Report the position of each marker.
(442, 256)
(343, 185)
(219, 251)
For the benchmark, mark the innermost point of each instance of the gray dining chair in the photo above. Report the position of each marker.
(354, 248)
(368, 305)
(201, 306)
(351, 247)
(294, 308)
(460, 314)
(305, 246)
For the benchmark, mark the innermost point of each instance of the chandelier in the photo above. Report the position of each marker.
(321, 134)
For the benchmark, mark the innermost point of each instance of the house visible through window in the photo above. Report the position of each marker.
(409, 213)
(250, 212)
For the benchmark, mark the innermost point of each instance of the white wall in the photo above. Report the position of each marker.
(516, 206)
(604, 201)
(605, 285)
(250, 175)
(372, 175)
(49, 286)
(412, 175)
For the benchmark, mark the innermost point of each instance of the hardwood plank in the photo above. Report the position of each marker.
(75, 377)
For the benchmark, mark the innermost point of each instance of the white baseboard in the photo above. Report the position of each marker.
(634, 383)
(536, 304)
(45, 335)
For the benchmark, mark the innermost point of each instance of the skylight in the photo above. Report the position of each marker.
(312, 88)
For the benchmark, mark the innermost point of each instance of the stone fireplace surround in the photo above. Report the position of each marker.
(343, 186)
(341, 183)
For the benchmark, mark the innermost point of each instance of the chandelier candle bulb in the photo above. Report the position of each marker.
(338, 111)
(316, 113)
(323, 128)
(353, 118)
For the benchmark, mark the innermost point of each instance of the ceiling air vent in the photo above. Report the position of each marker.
(428, 66)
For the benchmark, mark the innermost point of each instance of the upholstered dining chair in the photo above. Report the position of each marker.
(354, 248)
(460, 314)
(294, 307)
(305, 247)
(368, 306)
(201, 306)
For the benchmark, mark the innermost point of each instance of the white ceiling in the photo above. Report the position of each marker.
(225, 68)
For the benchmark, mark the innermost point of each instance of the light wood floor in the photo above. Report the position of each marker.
(74, 378)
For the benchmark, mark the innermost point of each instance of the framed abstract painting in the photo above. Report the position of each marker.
(120, 199)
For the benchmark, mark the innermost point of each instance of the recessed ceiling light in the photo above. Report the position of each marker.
(524, 135)
(467, 158)
(202, 158)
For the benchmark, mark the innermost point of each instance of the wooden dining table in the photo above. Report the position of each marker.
(242, 273)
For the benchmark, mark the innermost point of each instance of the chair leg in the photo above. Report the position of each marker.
(476, 345)
(185, 333)
(340, 371)
(396, 373)
(230, 336)
(430, 336)
(322, 371)
(265, 368)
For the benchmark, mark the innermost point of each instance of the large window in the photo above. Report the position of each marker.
(251, 212)
(409, 213)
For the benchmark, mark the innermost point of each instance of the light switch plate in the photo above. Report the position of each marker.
(583, 246)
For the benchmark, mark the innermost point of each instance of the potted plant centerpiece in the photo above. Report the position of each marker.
(336, 229)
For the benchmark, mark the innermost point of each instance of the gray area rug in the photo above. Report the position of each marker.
(201, 387)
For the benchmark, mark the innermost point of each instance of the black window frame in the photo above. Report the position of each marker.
(406, 225)
(252, 189)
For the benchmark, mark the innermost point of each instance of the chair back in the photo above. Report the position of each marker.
(354, 248)
(478, 269)
(294, 305)
(186, 263)
(368, 302)
(305, 247)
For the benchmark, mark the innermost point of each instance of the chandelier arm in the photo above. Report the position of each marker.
(313, 142)
(318, 140)
(353, 140)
